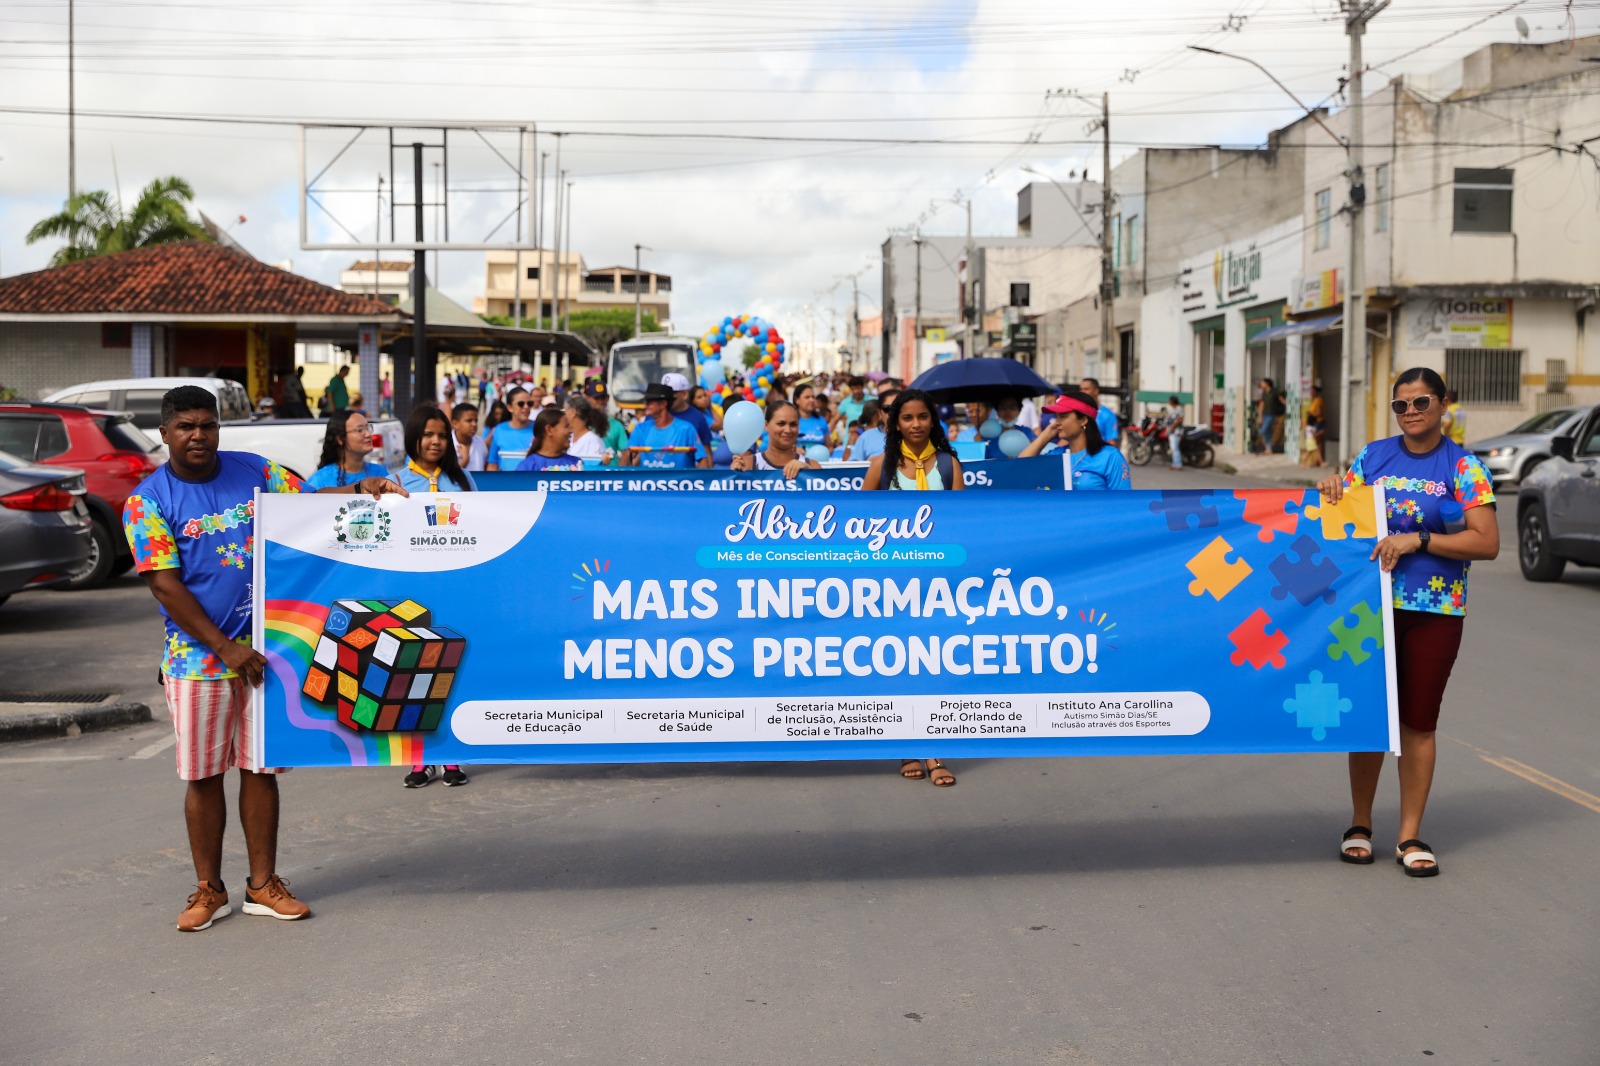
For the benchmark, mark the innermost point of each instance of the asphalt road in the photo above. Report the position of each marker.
(1180, 910)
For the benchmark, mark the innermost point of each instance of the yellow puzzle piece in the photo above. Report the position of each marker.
(1214, 573)
(1354, 510)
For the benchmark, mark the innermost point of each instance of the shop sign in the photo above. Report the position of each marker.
(1459, 323)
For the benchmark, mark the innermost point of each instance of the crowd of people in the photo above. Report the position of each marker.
(209, 666)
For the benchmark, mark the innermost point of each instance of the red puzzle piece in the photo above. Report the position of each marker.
(1255, 645)
(1269, 509)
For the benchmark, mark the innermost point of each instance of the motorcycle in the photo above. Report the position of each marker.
(1195, 443)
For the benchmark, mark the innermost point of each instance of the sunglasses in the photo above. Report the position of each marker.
(1420, 404)
(520, 403)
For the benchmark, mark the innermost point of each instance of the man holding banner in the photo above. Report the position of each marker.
(191, 526)
(662, 441)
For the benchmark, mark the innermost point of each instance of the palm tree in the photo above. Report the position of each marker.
(94, 223)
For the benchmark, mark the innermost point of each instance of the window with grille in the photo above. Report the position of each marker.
(1483, 200)
(1484, 375)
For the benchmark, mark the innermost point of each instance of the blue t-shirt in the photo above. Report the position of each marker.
(1106, 470)
(849, 410)
(1106, 420)
(992, 451)
(813, 430)
(677, 434)
(535, 461)
(334, 476)
(416, 481)
(868, 445)
(1414, 486)
(206, 530)
(702, 425)
(507, 445)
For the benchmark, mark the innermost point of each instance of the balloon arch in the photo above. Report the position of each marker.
(714, 372)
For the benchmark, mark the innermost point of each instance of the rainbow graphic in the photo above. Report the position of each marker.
(292, 628)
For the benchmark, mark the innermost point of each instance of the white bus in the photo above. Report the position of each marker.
(637, 363)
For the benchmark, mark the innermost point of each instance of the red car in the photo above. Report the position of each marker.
(113, 455)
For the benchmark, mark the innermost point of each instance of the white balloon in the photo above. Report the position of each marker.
(990, 429)
(1012, 441)
(742, 425)
(819, 452)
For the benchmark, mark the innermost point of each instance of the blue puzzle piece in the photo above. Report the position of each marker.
(1316, 706)
(1303, 579)
(1181, 504)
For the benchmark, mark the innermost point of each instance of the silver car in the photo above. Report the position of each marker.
(44, 525)
(1512, 456)
(1558, 507)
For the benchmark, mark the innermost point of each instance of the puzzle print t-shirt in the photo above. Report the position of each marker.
(1415, 486)
(206, 529)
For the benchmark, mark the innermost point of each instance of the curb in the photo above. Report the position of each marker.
(71, 722)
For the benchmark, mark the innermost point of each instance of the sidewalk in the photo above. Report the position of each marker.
(1282, 468)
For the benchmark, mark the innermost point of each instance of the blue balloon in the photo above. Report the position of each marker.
(742, 425)
(713, 374)
(990, 429)
(1012, 441)
(819, 452)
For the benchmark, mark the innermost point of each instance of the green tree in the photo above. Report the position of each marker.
(94, 223)
(600, 328)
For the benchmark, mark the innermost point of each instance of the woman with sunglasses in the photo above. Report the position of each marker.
(1077, 430)
(510, 442)
(1441, 511)
(346, 451)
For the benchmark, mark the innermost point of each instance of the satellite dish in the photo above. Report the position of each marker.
(1522, 27)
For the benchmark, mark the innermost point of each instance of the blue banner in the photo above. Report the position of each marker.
(590, 627)
(1036, 472)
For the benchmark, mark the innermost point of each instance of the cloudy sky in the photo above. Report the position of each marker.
(756, 147)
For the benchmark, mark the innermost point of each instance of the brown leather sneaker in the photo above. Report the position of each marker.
(205, 906)
(274, 900)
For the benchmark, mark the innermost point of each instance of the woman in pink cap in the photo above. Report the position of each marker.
(1095, 464)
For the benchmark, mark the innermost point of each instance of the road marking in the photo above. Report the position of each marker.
(1546, 782)
(50, 758)
(151, 750)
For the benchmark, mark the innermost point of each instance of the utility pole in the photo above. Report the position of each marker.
(555, 286)
(638, 307)
(540, 238)
(72, 100)
(855, 319)
(1108, 320)
(1352, 389)
(566, 207)
(377, 238)
(916, 322)
(421, 367)
(968, 312)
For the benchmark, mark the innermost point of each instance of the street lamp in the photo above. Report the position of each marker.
(638, 279)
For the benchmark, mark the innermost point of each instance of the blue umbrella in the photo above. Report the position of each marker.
(960, 380)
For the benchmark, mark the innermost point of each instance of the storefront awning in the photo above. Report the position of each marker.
(1298, 329)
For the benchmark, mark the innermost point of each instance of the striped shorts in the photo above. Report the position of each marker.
(215, 723)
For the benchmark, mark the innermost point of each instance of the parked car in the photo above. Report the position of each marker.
(141, 397)
(1513, 455)
(296, 443)
(110, 453)
(1558, 506)
(44, 525)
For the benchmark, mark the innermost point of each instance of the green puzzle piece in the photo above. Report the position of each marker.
(1349, 638)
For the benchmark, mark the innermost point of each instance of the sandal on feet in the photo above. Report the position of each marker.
(939, 774)
(1409, 860)
(911, 769)
(1357, 836)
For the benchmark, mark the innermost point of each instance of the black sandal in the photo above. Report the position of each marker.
(911, 769)
(1425, 855)
(947, 781)
(1345, 841)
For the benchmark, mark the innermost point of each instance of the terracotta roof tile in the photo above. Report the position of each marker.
(182, 278)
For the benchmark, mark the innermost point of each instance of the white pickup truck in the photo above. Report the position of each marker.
(296, 443)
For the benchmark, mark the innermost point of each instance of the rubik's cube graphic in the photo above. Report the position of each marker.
(384, 665)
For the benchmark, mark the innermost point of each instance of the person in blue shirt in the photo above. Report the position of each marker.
(432, 464)
(552, 432)
(509, 442)
(866, 441)
(1006, 410)
(813, 423)
(1105, 417)
(682, 392)
(661, 442)
(346, 453)
(851, 405)
(1076, 429)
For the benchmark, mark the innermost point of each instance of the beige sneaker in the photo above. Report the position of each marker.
(274, 900)
(205, 906)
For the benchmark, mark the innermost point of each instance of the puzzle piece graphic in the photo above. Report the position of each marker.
(1214, 573)
(1255, 645)
(1180, 504)
(1316, 706)
(1354, 510)
(1303, 579)
(1348, 638)
(1269, 509)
